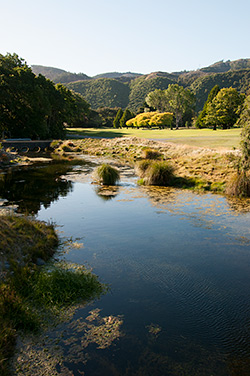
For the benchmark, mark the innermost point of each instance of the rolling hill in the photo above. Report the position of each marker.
(129, 89)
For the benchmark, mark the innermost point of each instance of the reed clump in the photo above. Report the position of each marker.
(149, 153)
(239, 185)
(107, 175)
(159, 173)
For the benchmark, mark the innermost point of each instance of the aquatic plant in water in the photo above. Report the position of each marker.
(106, 174)
(52, 352)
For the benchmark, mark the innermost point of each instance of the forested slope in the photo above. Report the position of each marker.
(130, 89)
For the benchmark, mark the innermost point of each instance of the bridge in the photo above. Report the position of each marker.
(26, 145)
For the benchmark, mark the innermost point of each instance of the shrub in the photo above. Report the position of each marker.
(159, 173)
(161, 120)
(107, 175)
(239, 185)
(151, 119)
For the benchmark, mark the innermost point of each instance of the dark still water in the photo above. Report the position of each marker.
(178, 267)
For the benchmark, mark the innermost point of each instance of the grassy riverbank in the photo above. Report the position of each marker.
(194, 167)
(31, 291)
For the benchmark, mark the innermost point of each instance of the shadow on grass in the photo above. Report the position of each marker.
(192, 183)
(102, 133)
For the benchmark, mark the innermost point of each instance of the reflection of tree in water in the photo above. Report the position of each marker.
(31, 187)
(239, 205)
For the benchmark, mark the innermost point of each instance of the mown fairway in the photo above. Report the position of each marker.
(229, 138)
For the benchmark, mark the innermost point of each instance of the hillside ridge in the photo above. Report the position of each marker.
(129, 89)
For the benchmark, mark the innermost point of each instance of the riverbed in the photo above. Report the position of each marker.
(177, 264)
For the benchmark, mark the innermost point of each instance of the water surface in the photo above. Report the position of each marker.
(177, 263)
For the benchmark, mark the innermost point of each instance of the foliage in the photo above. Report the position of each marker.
(67, 77)
(48, 72)
(245, 134)
(157, 99)
(107, 174)
(175, 99)
(151, 119)
(200, 120)
(223, 111)
(127, 115)
(140, 87)
(132, 94)
(32, 106)
(244, 122)
(116, 122)
(179, 101)
(239, 80)
(102, 92)
(162, 120)
(107, 116)
(75, 110)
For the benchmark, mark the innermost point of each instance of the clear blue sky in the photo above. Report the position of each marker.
(96, 36)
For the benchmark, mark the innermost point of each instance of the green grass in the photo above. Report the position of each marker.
(228, 138)
(30, 294)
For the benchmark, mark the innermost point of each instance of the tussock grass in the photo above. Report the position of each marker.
(107, 175)
(239, 185)
(149, 153)
(142, 166)
(24, 239)
(155, 172)
(159, 173)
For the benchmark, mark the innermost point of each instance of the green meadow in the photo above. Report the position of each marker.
(228, 138)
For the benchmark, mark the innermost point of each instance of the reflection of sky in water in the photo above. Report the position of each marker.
(175, 261)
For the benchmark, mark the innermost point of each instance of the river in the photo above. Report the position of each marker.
(177, 264)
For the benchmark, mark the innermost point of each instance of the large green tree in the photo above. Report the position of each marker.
(200, 123)
(116, 122)
(223, 111)
(174, 99)
(32, 106)
(125, 117)
(179, 101)
(157, 100)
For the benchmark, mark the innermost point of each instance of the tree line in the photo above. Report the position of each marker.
(33, 106)
(224, 108)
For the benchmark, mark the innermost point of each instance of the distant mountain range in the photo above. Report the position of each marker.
(129, 89)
